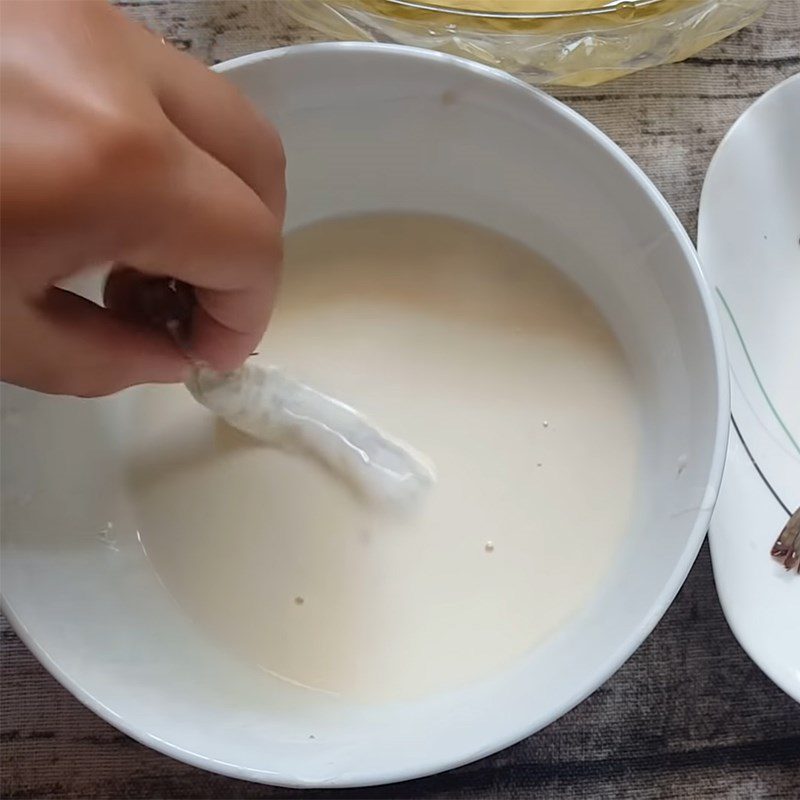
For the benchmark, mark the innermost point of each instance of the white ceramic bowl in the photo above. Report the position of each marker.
(367, 128)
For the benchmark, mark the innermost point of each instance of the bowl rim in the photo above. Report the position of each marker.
(648, 620)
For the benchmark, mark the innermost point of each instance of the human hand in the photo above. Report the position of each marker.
(118, 149)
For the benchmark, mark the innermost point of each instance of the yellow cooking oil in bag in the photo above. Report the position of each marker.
(567, 42)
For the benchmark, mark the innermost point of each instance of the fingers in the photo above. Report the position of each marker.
(199, 218)
(214, 115)
(152, 161)
(222, 347)
(219, 328)
(221, 232)
(226, 328)
(68, 345)
(212, 231)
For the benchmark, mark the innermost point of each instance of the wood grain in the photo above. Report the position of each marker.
(689, 715)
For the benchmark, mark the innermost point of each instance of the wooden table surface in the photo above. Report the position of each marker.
(689, 716)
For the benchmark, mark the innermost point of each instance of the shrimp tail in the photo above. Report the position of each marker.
(787, 546)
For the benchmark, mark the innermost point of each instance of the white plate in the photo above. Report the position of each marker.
(749, 243)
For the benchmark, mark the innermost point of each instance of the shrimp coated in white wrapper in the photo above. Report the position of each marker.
(267, 405)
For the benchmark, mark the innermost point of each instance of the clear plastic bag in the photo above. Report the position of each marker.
(578, 48)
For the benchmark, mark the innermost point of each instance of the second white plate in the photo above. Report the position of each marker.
(749, 244)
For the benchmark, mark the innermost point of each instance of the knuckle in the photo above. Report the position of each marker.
(95, 380)
(279, 151)
(96, 383)
(270, 263)
(274, 241)
(262, 244)
(60, 379)
(94, 391)
(124, 146)
(73, 379)
(276, 169)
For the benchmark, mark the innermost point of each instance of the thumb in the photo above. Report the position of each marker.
(72, 346)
